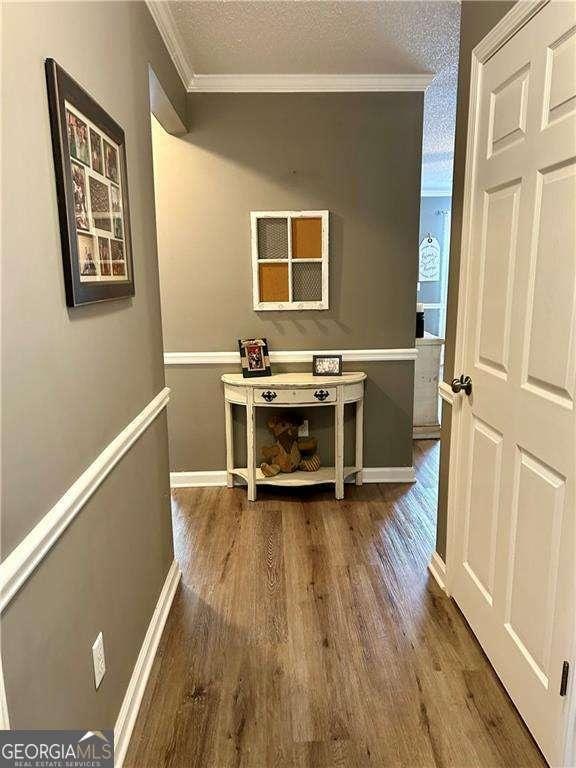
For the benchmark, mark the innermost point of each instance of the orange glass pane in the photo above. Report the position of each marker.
(307, 238)
(273, 281)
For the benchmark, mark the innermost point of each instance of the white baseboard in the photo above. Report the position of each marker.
(26, 556)
(218, 477)
(426, 433)
(137, 685)
(197, 479)
(388, 475)
(4, 716)
(437, 568)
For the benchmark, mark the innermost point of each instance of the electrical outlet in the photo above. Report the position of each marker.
(303, 429)
(99, 660)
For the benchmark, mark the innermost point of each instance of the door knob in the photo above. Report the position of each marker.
(464, 383)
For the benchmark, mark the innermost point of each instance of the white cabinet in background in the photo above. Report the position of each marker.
(426, 377)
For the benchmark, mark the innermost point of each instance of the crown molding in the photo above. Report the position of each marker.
(164, 20)
(249, 83)
(307, 83)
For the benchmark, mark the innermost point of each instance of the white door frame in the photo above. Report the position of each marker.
(514, 20)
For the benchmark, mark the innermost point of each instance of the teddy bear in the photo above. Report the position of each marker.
(289, 452)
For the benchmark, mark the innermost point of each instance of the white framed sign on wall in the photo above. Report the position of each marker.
(429, 260)
(290, 259)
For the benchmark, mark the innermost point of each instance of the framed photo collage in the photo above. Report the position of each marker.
(90, 161)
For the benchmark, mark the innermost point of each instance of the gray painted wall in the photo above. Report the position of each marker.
(104, 575)
(196, 417)
(72, 379)
(477, 18)
(357, 155)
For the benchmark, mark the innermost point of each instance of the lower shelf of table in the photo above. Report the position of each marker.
(323, 475)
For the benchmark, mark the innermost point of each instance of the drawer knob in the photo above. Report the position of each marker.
(321, 394)
(463, 384)
(268, 395)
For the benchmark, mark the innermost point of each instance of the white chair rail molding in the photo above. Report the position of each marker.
(291, 356)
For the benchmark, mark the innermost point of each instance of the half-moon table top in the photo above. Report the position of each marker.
(292, 380)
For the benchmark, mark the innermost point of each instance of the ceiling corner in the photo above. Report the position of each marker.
(164, 20)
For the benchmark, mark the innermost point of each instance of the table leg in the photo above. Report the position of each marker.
(359, 440)
(339, 433)
(250, 459)
(229, 444)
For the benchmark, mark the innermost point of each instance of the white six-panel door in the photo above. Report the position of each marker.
(514, 509)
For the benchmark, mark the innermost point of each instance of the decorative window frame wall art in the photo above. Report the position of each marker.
(92, 189)
(290, 260)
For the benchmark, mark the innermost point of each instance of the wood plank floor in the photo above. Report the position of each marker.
(308, 632)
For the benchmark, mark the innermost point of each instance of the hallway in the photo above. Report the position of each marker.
(308, 633)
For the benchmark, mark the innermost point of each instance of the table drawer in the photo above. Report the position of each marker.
(272, 396)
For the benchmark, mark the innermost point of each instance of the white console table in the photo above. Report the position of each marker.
(293, 390)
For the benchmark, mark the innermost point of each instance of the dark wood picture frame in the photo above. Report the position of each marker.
(247, 370)
(316, 358)
(117, 281)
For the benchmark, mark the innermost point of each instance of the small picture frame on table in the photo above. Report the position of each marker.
(327, 365)
(254, 357)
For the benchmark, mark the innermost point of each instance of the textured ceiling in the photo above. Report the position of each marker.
(345, 37)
